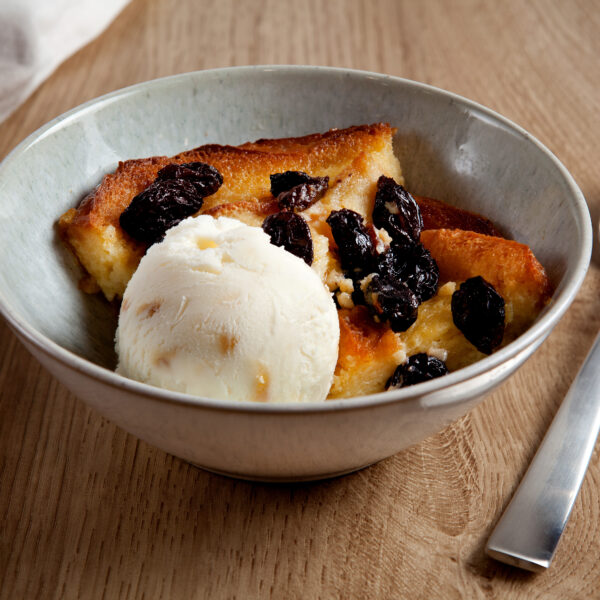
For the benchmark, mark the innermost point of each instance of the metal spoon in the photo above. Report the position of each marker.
(529, 530)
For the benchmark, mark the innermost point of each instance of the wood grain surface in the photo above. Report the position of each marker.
(88, 511)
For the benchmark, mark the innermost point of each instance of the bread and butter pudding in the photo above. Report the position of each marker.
(420, 287)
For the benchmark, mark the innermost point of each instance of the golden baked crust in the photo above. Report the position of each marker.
(509, 266)
(439, 215)
(464, 244)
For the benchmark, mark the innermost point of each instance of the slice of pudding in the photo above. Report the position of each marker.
(463, 244)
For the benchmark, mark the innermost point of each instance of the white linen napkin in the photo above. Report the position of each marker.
(37, 35)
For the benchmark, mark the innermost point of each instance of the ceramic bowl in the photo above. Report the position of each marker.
(449, 148)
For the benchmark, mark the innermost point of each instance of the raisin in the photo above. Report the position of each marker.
(478, 311)
(358, 296)
(177, 192)
(205, 178)
(390, 301)
(356, 251)
(296, 190)
(396, 211)
(418, 368)
(291, 231)
(159, 207)
(282, 182)
(413, 265)
(300, 197)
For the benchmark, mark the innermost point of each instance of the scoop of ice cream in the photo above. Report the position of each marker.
(218, 311)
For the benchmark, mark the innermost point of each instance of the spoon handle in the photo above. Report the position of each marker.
(528, 532)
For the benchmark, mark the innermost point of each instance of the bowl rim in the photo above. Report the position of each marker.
(539, 329)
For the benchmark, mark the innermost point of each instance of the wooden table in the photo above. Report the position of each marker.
(88, 511)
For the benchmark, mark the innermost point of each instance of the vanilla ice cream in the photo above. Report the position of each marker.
(218, 311)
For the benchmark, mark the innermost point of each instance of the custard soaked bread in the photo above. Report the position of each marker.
(394, 265)
(370, 352)
(352, 158)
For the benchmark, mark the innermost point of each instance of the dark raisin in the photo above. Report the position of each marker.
(300, 197)
(478, 311)
(396, 211)
(205, 178)
(177, 192)
(418, 368)
(296, 190)
(292, 232)
(358, 296)
(282, 182)
(159, 207)
(355, 246)
(390, 301)
(413, 265)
